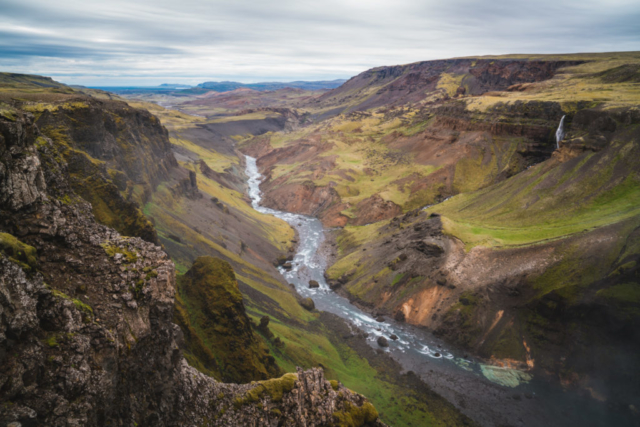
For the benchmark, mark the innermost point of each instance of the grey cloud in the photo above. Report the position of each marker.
(154, 40)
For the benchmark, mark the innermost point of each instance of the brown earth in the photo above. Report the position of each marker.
(374, 209)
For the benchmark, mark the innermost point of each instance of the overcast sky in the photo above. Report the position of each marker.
(147, 42)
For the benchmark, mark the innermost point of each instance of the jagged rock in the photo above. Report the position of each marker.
(393, 337)
(188, 187)
(382, 342)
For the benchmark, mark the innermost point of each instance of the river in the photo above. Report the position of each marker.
(490, 395)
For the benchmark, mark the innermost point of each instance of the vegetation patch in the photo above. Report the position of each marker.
(112, 249)
(22, 254)
(273, 388)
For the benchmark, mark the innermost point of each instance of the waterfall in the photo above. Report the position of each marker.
(560, 132)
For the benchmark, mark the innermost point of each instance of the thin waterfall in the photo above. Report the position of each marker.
(560, 132)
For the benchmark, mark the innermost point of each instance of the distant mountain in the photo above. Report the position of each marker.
(179, 89)
(174, 86)
(262, 86)
(124, 90)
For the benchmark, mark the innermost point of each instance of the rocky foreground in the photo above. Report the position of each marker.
(86, 331)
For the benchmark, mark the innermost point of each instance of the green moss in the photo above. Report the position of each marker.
(85, 308)
(113, 249)
(334, 385)
(274, 388)
(463, 314)
(18, 252)
(354, 416)
(397, 278)
(52, 341)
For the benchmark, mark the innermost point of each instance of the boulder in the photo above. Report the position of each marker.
(383, 342)
(313, 284)
(393, 337)
(334, 284)
(287, 265)
(308, 304)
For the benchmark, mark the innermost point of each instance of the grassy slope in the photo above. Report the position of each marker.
(549, 201)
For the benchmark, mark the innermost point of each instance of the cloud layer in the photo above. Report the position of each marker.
(156, 41)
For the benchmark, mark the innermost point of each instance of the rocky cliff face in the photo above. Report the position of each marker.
(86, 335)
(115, 155)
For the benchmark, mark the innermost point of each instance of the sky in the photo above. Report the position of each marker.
(148, 42)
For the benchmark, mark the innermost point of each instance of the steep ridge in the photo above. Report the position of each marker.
(86, 329)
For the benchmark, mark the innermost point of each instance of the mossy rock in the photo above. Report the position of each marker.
(18, 252)
(112, 249)
(307, 304)
(218, 332)
(274, 388)
(354, 416)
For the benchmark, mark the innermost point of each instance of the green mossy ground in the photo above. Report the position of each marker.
(354, 416)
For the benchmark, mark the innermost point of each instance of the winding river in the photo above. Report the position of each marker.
(491, 395)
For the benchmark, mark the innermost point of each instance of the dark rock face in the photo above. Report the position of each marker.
(114, 155)
(21, 178)
(188, 187)
(88, 338)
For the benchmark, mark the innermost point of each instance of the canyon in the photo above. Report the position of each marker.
(153, 274)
